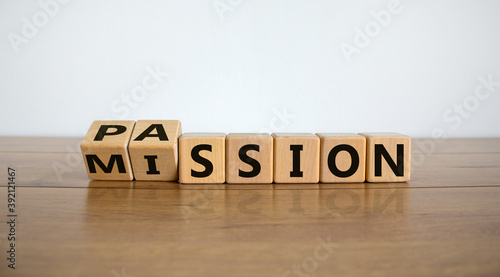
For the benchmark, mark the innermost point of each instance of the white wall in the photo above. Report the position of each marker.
(237, 70)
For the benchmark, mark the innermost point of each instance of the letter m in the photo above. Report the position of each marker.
(93, 159)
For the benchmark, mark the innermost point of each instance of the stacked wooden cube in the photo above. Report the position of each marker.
(156, 150)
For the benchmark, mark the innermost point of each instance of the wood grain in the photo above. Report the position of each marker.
(93, 232)
(444, 222)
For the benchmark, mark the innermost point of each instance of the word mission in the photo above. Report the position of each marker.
(156, 150)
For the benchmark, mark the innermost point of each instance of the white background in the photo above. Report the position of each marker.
(237, 66)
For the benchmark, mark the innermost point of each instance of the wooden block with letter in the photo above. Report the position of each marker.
(296, 158)
(342, 158)
(202, 158)
(105, 150)
(249, 158)
(387, 157)
(153, 150)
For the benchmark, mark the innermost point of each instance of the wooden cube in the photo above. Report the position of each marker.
(105, 150)
(342, 158)
(202, 158)
(153, 150)
(296, 158)
(387, 157)
(249, 158)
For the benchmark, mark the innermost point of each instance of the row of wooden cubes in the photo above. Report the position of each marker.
(156, 150)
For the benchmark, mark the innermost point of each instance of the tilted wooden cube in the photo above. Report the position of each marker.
(388, 157)
(342, 158)
(249, 158)
(105, 150)
(296, 158)
(153, 150)
(202, 158)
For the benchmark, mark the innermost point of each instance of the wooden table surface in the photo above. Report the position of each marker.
(444, 222)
